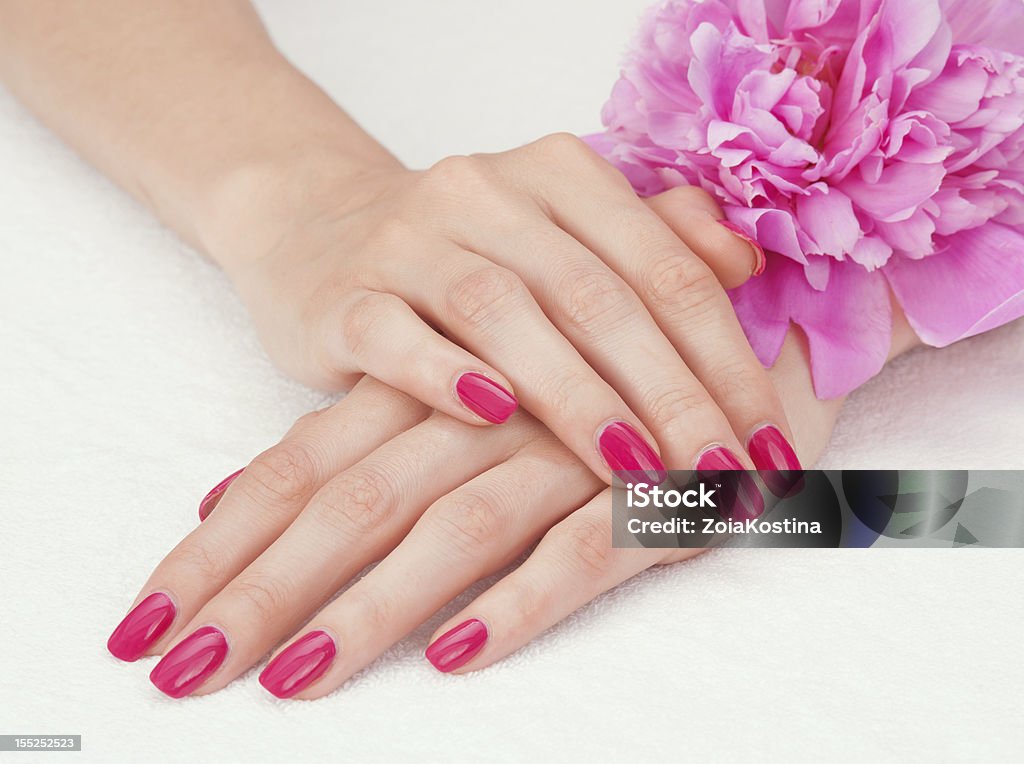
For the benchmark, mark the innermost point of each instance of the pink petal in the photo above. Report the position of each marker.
(905, 27)
(772, 229)
(848, 326)
(818, 271)
(911, 237)
(977, 284)
(955, 95)
(810, 13)
(901, 189)
(720, 62)
(871, 252)
(826, 215)
(990, 22)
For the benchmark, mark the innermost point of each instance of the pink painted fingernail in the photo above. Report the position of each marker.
(299, 665)
(457, 646)
(142, 627)
(770, 451)
(625, 451)
(743, 498)
(190, 662)
(760, 261)
(210, 500)
(718, 458)
(485, 397)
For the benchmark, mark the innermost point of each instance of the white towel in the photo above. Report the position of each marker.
(131, 381)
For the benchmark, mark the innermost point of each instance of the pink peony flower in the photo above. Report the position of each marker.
(869, 145)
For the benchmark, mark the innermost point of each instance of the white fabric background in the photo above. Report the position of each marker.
(131, 381)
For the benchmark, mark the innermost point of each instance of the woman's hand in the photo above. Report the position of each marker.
(546, 276)
(550, 281)
(441, 504)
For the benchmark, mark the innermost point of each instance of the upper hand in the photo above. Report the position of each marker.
(550, 283)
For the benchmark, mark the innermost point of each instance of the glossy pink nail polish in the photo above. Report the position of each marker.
(744, 500)
(760, 260)
(625, 451)
(191, 662)
(142, 627)
(457, 646)
(299, 665)
(718, 458)
(485, 397)
(770, 451)
(210, 500)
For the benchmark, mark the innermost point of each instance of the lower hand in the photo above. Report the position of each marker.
(439, 503)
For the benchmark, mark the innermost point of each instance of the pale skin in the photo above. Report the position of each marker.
(539, 266)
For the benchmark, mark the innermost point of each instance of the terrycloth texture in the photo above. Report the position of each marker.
(131, 381)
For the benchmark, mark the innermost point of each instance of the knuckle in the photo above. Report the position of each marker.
(563, 144)
(267, 596)
(194, 559)
(572, 153)
(372, 607)
(560, 389)
(282, 475)
(476, 297)
(390, 236)
(594, 298)
(361, 320)
(359, 502)
(676, 281)
(527, 602)
(304, 421)
(687, 196)
(742, 381)
(457, 172)
(587, 545)
(470, 520)
(674, 403)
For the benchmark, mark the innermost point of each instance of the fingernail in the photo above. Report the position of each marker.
(191, 662)
(718, 458)
(624, 450)
(210, 500)
(298, 666)
(770, 451)
(457, 646)
(760, 261)
(744, 500)
(142, 627)
(485, 397)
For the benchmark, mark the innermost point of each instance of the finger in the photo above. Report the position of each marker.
(383, 337)
(470, 533)
(256, 508)
(353, 520)
(602, 316)
(698, 221)
(493, 313)
(596, 310)
(684, 297)
(574, 563)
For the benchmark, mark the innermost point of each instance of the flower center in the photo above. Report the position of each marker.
(808, 58)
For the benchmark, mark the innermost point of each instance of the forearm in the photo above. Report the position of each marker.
(184, 103)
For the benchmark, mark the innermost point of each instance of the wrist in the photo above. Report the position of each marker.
(254, 204)
(904, 338)
(267, 160)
